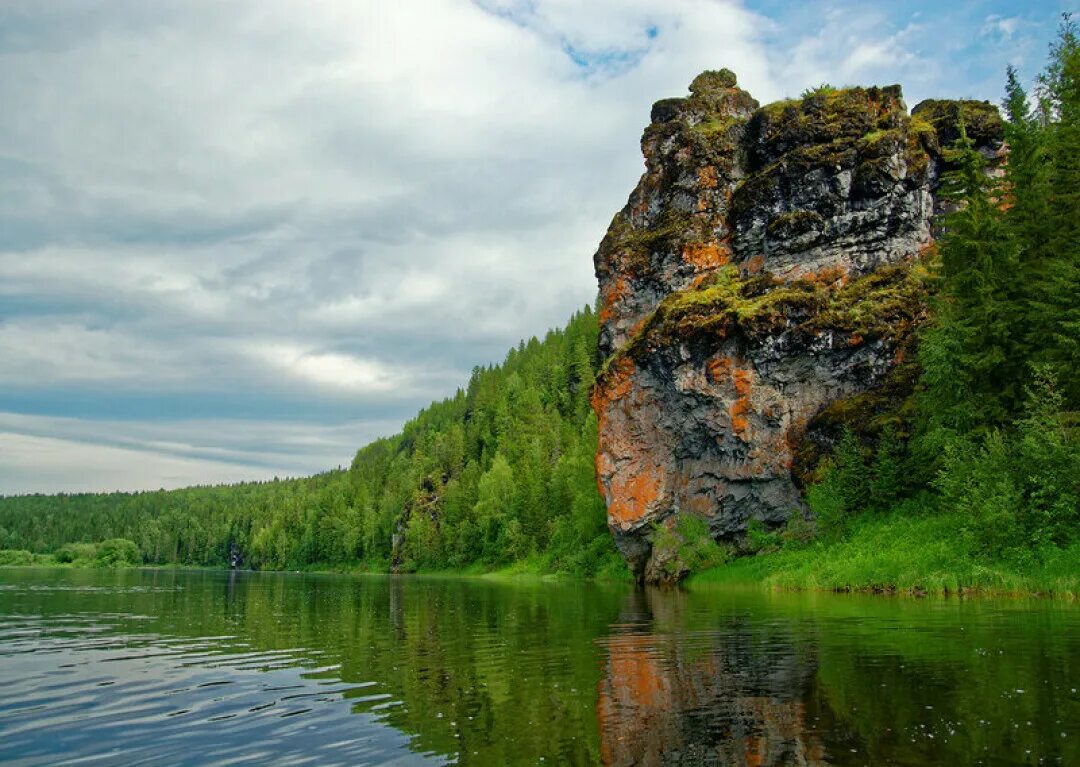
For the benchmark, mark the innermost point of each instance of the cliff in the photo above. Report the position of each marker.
(763, 281)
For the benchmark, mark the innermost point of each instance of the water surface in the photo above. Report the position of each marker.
(162, 668)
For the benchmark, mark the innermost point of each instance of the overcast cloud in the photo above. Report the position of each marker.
(241, 239)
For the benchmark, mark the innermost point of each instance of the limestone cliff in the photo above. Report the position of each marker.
(765, 268)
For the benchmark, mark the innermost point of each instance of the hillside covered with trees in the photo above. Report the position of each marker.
(502, 472)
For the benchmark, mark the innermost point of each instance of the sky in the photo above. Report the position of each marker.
(240, 240)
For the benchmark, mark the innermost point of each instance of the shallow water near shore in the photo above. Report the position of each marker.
(164, 667)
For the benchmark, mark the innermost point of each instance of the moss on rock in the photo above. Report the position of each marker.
(795, 223)
(886, 305)
(980, 119)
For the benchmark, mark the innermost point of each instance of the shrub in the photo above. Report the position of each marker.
(760, 541)
(118, 552)
(72, 553)
(821, 90)
(1019, 490)
(15, 557)
(798, 532)
(687, 547)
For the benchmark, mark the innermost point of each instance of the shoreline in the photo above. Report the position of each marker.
(764, 573)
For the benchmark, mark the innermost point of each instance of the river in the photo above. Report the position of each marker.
(163, 667)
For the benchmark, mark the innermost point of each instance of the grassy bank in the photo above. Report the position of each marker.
(536, 567)
(907, 554)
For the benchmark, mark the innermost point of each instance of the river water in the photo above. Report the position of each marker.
(198, 668)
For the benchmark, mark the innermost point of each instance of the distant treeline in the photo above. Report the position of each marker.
(500, 473)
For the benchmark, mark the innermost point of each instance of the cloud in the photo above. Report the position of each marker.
(33, 464)
(78, 455)
(1001, 27)
(272, 211)
(329, 368)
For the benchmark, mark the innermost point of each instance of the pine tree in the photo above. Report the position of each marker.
(1060, 283)
(973, 353)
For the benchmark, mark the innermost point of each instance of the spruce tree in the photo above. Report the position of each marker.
(1060, 280)
(973, 354)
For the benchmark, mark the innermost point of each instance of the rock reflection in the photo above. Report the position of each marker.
(726, 696)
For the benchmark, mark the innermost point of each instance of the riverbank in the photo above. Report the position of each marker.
(532, 568)
(922, 554)
(916, 554)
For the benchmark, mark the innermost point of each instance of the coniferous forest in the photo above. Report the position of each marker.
(973, 472)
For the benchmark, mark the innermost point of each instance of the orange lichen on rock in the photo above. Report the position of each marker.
(708, 178)
(614, 385)
(743, 382)
(615, 292)
(719, 368)
(737, 411)
(708, 255)
(740, 408)
(632, 496)
(699, 504)
(829, 275)
(755, 264)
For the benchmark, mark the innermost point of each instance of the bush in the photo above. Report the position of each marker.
(758, 540)
(699, 551)
(15, 557)
(687, 547)
(1019, 490)
(118, 552)
(825, 89)
(77, 553)
(798, 533)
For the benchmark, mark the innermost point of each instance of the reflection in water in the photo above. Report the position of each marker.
(721, 698)
(730, 678)
(211, 668)
(215, 668)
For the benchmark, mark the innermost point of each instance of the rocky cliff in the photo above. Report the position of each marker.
(765, 271)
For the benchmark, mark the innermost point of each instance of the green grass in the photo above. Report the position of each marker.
(906, 554)
(536, 566)
(533, 567)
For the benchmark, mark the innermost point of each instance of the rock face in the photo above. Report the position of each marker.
(766, 266)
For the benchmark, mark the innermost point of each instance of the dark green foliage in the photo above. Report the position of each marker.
(972, 353)
(995, 451)
(760, 541)
(845, 488)
(1056, 252)
(980, 120)
(499, 473)
(688, 545)
(887, 470)
(118, 552)
(1020, 490)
